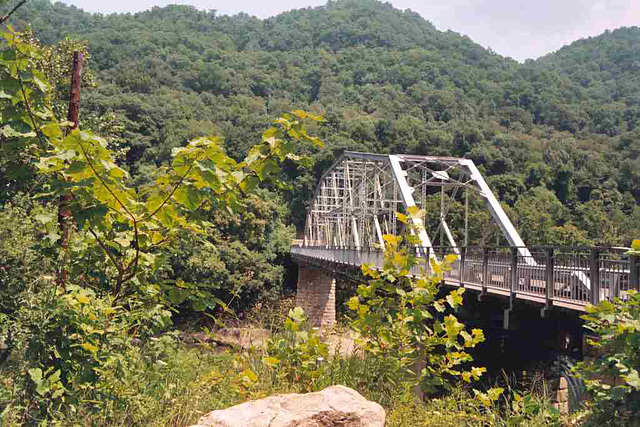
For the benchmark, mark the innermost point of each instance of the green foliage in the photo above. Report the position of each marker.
(298, 354)
(79, 348)
(613, 377)
(79, 335)
(159, 222)
(529, 407)
(460, 408)
(387, 81)
(546, 227)
(160, 385)
(20, 245)
(182, 383)
(403, 321)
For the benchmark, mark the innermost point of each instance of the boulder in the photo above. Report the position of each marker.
(335, 406)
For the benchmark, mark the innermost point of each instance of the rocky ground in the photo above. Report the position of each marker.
(246, 338)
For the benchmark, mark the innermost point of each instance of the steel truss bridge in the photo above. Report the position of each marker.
(359, 197)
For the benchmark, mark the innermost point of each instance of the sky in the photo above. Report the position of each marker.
(520, 29)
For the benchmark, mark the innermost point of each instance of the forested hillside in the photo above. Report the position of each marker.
(558, 137)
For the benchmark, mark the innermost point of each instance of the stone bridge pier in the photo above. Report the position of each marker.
(316, 295)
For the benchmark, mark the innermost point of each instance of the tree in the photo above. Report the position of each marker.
(386, 79)
(73, 331)
(540, 213)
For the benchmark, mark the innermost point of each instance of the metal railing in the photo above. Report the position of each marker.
(565, 276)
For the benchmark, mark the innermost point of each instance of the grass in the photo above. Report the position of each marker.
(178, 386)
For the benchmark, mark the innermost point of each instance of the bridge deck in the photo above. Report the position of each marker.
(570, 278)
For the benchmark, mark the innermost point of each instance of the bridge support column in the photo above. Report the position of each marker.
(316, 295)
(508, 318)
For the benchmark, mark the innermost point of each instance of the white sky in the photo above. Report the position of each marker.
(520, 29)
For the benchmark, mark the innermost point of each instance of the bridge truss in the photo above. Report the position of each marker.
(357, 199)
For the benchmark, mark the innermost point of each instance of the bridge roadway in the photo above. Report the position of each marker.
(565, 277)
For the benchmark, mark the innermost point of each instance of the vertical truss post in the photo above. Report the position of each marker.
(394, 208)
(364, 205)
(466, 217)
(335, 197)
(307, 236)
(442, 216)
(407, 197)
(356, 235)
(379, 232)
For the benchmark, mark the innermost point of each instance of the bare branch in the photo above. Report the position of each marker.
(76, 83)
(151, 215)
(105, 250)
(104, 184)
(8, 15)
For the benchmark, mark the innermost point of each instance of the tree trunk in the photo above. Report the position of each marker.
(64, 210)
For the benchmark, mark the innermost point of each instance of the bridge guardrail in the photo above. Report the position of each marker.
(565, 276)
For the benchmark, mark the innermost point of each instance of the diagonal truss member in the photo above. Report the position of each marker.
(357, 198)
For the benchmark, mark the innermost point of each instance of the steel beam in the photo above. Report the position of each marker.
(496, 210)
(406, 192)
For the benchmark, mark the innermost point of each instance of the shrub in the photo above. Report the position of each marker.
(403, 323)
(616, 326)
(298, 354)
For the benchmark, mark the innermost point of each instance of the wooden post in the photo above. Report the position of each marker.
(64, 211)
(76, 81)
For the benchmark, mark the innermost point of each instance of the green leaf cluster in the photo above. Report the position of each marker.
(299, 353)
(612, 373)
(403, 319)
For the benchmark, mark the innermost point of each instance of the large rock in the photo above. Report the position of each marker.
(336, 406)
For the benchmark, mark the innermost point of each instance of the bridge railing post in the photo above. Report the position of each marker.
(549, 280)
(513, 279)
(485, 269)
(634, 273)
(594, 276)
(463, 258)
(367, 256)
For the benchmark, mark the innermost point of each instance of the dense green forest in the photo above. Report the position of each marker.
(170, 207)
(557, 137)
